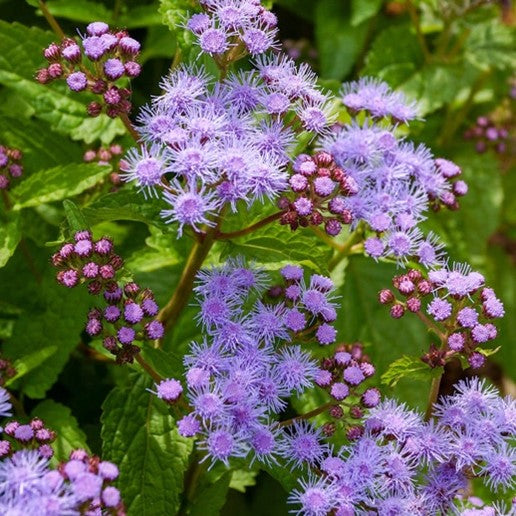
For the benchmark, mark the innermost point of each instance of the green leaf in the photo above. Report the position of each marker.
(211, 499)
(491, 45)
(242, 479)
(10, 235)
(338, 41)
(281, 472)
(83, 11)
(42, 148)
(409, 366)
(74, 216)
(30, 361)
(362, 10)
(173, 13)
(166, 363)
(100, 128)
(53, 319)
(139, 435)
(57, 183)
(59, 418)
(125, 205)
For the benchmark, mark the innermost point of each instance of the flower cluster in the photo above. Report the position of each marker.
(130, 312)
(238, 380)
(231, 29)
(106, 156)
(342, 376)
(320, 188)
(10, 165)
(103, 57)
(488, 134)
(402, 465)
(33, 435)
(397, 182)
(28, 485)
(461, 308)
(211, 145)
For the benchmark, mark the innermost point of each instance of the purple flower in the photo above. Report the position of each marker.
(126, 335)
(111, 496)
(440, 309)
(189, 207)
(155, 330)
(77, 81)
(169, 389)
(258, 41)
(144, 166)
(5, 404)
(97, 28)
(339, 391)
(133, 313)
(303, 445)
(213, 41)
(94, 47)
(294, 319)
(292, 272)
(467, 317)
(87, 486)
(108, 470)
(188, 426)
(353, 375)
(326, 334)
(316, 497)
(114, 69)
(295, 368)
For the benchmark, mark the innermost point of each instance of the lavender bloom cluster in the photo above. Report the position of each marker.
(10, 165)
(105, 57)
(402, 465)
(319, 188)
(130, 312)
(237, 27)
(238, 379)
(397, 181)
(462, 309)
(29, 485)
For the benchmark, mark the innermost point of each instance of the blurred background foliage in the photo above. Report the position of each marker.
(455, 57)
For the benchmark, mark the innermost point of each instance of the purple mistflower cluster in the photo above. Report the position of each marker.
(32, 435)
(10, 165)
(233, 27)
(130, 312)
(490, 134)
(212, 145)
(378, 100)
(461, 307)
(403, 465)
(239, 378)
(28, 485)
(107, 156)
(319, 188)
(397, 182)
(103, 57)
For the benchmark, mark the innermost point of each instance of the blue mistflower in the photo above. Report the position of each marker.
(5, 404)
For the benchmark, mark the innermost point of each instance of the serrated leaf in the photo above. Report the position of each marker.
(74, 216)
(54, 319)
(166, 363)
(139, 435)
(57, 183)
(338, 41)
(242, 479)
(211, 499)
(59, 418)
(10, 235)
(100, 128)
(491, 45)
(408, 366)
(363, 10)
(125, 205)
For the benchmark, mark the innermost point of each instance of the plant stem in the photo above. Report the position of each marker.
(245, 231)
(130, 128)
(432, 398)
(432, 326)
(414, 16)
(345, 248)
(307, 415)
(147, 367)
(171, 311)
(51, 20)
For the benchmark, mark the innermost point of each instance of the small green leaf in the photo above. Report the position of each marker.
(59, 418)
(362, 10)
(30, 361)
(57, 183)
(211, 499)
(10, 235)
(74, 216)
(242, 479)
(140, 436)
(165, 363)
(408, 366)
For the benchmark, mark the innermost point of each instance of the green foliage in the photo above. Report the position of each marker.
(409, 366)
(57, 183)
(138, 434)
(10, 235)
(59, 418)
(211, 499)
